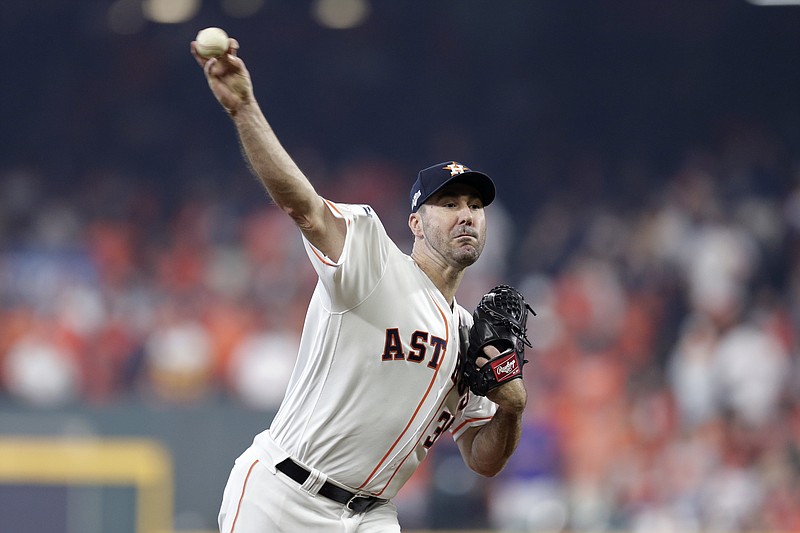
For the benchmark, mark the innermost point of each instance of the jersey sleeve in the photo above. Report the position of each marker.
(348, 281)
(479, 411)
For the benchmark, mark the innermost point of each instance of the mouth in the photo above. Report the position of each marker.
(466, 237)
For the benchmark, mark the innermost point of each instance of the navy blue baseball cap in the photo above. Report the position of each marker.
(434, 178)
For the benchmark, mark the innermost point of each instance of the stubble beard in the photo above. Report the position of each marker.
(467, 256)
(459, 255)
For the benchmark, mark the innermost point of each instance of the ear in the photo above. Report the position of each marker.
(415, 224)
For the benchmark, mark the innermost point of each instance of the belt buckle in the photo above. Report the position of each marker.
(359, 507)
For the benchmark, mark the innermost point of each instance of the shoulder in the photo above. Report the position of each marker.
(363, 223)
(353, 211)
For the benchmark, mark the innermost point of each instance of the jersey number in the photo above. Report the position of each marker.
(445, 421)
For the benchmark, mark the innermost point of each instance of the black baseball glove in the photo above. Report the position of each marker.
(500, 320)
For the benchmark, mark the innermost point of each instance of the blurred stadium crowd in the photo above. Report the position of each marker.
(140, 262)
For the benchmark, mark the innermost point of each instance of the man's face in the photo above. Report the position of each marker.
(453, 224)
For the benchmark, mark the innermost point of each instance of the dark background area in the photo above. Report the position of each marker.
(523, 88)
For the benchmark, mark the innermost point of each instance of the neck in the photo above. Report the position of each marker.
(445, 277)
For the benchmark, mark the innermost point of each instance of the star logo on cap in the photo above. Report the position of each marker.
(456, 168)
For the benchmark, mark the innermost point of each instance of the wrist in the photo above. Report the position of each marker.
(512, 407)
(243, 111)
(511, 397)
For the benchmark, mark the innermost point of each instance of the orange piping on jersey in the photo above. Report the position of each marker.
(419, 405)
(244, 486)
(322, 258)
(413, 448)
(333, 207)
(470, 421)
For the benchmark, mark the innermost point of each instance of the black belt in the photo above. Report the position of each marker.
(357, 503)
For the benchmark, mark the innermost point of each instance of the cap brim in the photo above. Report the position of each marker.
(482, 183)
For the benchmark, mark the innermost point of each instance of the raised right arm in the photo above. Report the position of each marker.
(286, 184)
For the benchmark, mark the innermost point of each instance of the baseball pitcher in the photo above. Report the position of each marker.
(389, 361)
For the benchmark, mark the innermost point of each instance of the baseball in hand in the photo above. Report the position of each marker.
(212, 42)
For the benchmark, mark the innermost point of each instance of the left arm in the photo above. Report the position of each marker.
(487, 448)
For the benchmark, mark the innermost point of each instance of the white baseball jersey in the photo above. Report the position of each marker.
(374, 385)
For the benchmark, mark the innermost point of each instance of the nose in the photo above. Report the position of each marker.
(465, 214)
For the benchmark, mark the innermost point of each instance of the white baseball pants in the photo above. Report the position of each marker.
(259, 499)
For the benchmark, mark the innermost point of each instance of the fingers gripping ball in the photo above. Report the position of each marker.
(212, 42)
(500, 320)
